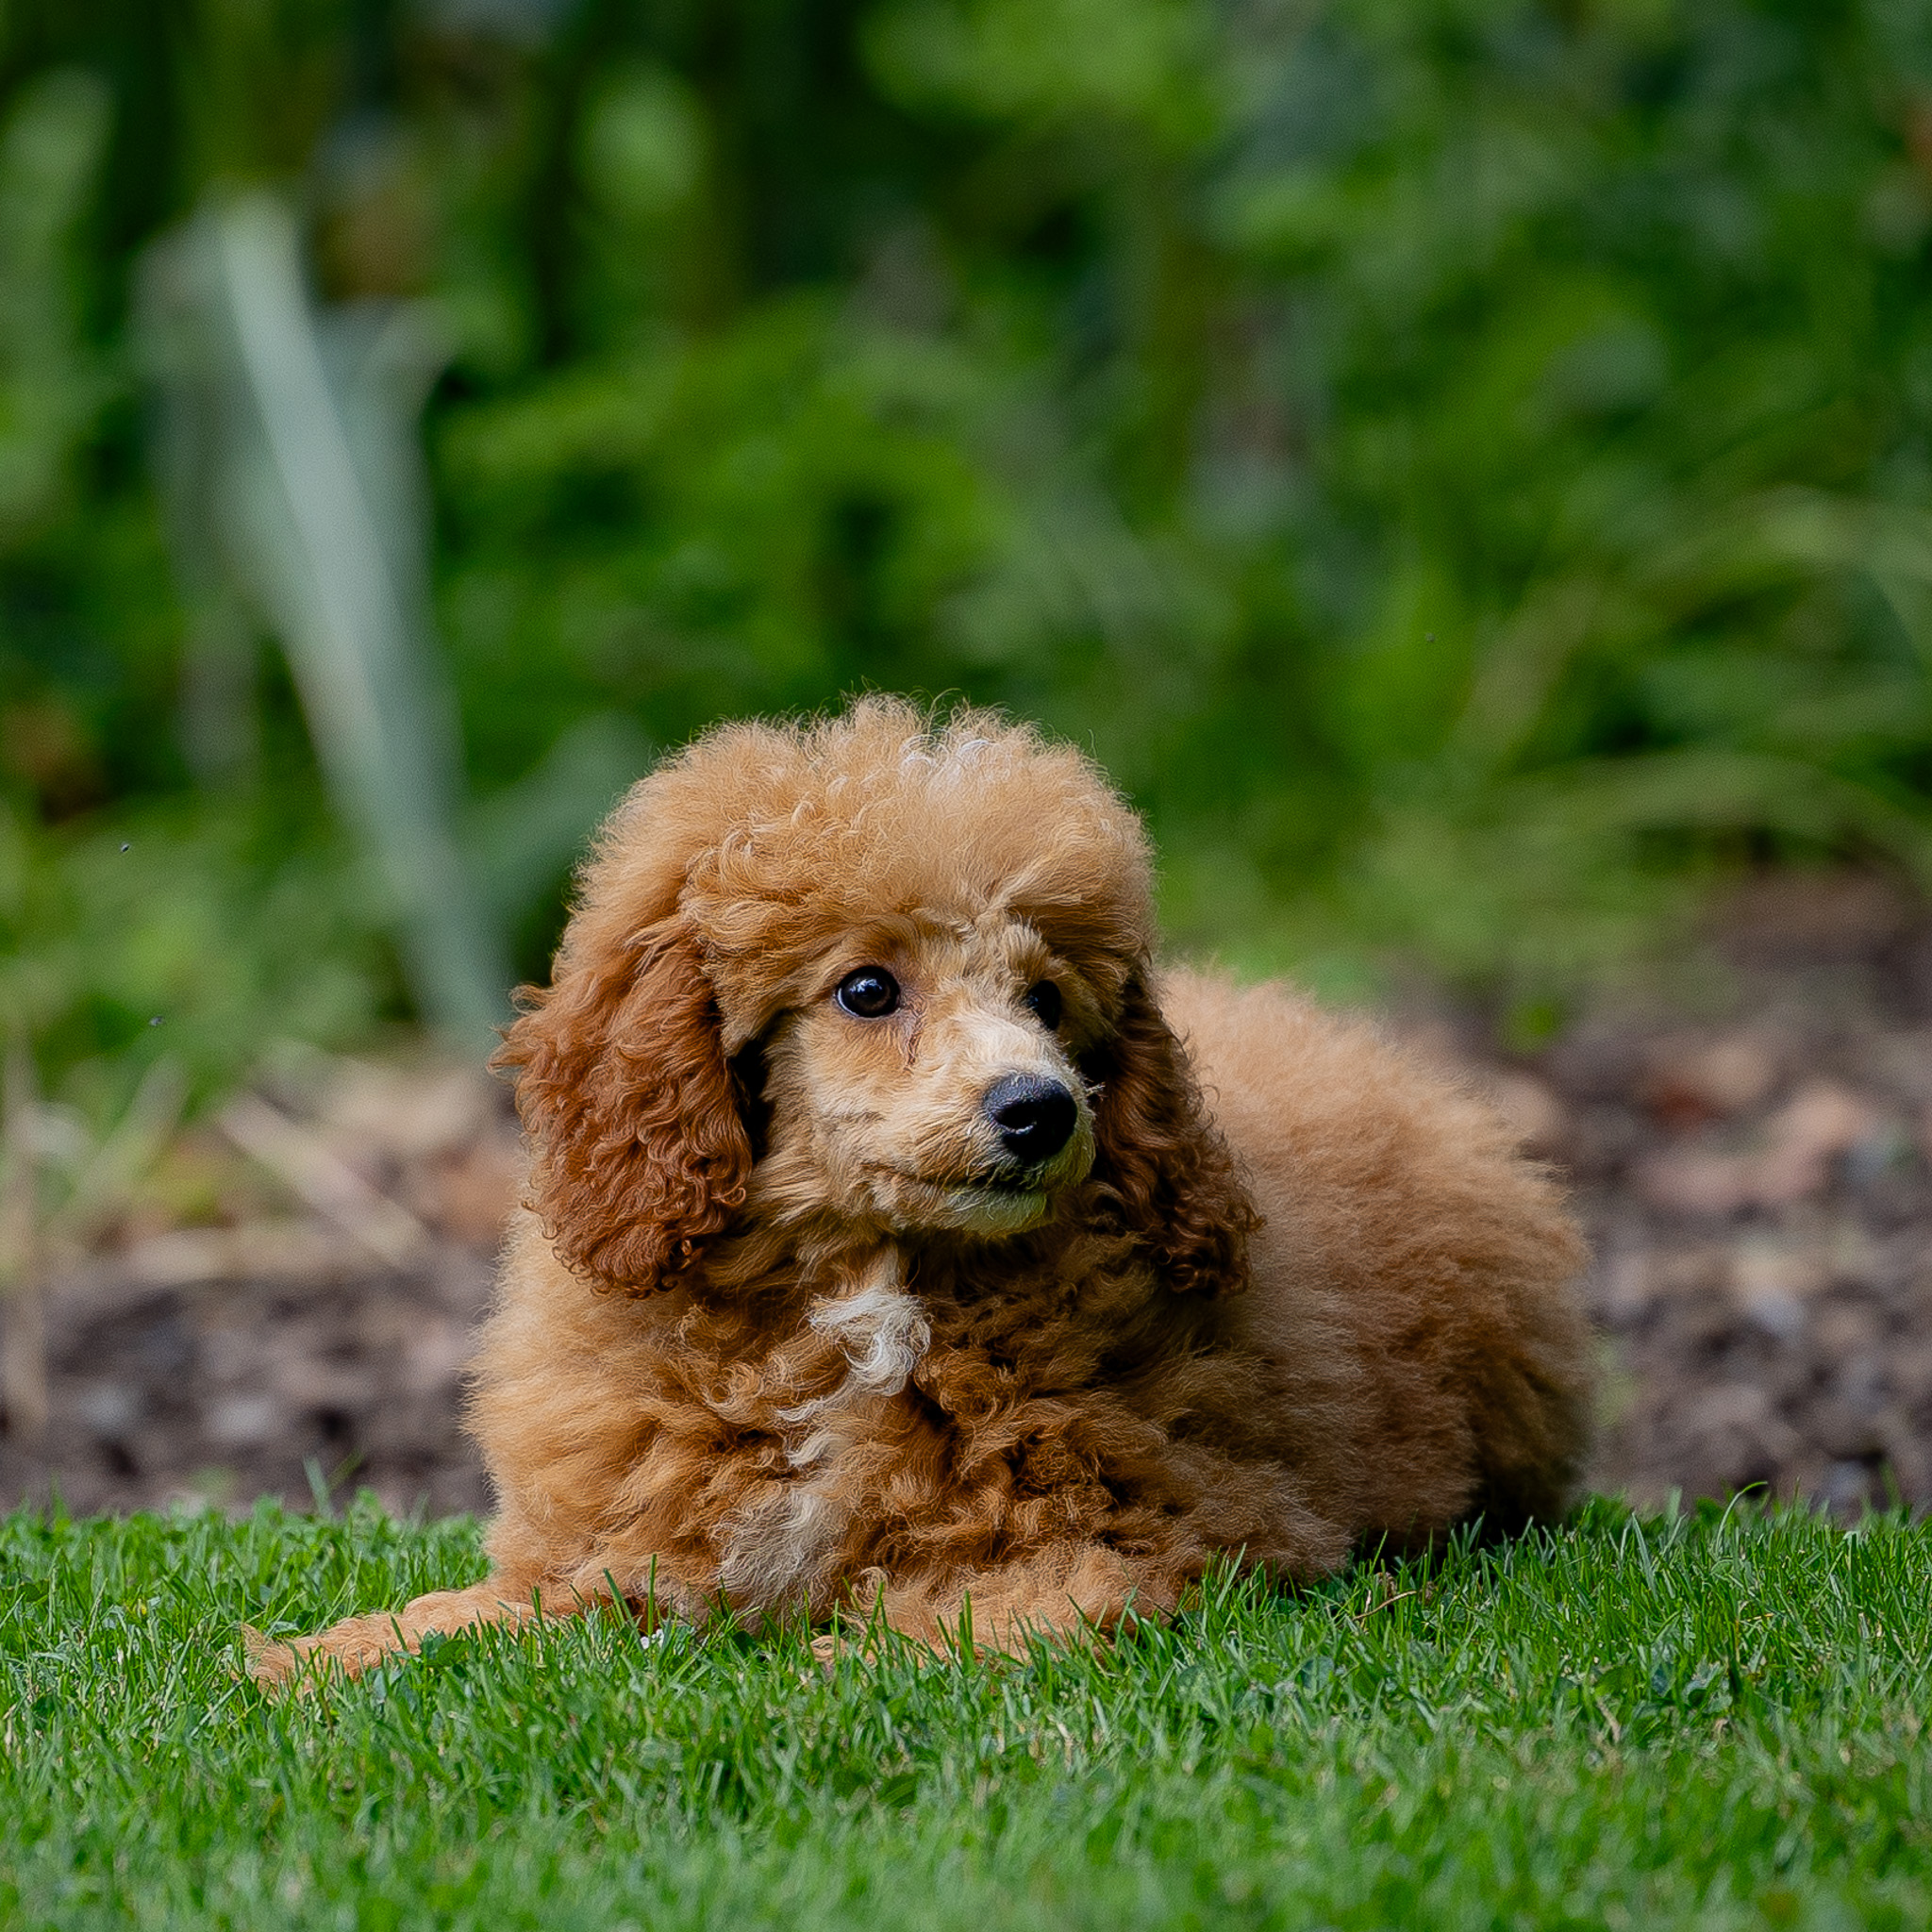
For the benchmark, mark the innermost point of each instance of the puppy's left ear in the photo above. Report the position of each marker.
(640, 1154)
(1162, 1157)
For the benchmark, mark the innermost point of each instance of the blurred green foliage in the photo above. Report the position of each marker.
(1463, 464)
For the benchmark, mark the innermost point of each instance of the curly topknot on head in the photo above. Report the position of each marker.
(711, 897)
(771, 837)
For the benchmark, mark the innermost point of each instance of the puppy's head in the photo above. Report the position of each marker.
(871, 975)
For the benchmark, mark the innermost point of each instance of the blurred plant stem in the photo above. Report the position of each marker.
(289, 454)
(23, 1346)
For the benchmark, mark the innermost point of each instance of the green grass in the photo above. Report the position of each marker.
(1711, 1720)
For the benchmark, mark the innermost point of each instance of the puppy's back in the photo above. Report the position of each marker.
(1413, 1283)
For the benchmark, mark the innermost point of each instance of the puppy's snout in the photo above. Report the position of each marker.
(1036, 1116)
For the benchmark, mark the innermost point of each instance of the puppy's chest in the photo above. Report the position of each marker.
(784, 1539)
(925, 1404)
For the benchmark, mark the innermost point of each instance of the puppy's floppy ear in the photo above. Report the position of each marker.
(640, 1156)
(1162, 1157)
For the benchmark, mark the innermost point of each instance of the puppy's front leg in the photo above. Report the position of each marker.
(354, 1643)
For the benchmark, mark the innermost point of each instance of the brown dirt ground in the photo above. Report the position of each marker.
(1750, 1160)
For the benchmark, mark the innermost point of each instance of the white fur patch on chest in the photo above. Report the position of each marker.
(781, 1542)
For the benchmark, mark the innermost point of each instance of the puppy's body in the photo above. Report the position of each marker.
(789, 1322)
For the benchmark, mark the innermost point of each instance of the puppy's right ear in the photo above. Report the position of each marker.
(640, 1156)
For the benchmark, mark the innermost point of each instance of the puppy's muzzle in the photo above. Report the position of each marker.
(1036, 1116)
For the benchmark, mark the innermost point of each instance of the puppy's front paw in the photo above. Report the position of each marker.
(273, 1665)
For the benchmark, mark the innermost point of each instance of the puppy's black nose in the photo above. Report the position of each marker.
(1035, 1116)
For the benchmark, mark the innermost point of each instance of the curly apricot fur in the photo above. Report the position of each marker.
(1169, 1169)
(1279, 1291)
(638, 1155)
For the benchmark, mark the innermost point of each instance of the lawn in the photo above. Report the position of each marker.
(1714, 1720)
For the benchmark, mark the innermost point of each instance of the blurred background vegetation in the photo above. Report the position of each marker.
(1464, 465)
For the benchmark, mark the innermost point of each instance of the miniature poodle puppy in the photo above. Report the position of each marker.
(899, 1243)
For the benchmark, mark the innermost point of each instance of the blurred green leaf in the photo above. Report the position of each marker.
(50, 387)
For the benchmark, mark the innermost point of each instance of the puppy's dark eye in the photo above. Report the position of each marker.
(869, 993)
(1044, 999)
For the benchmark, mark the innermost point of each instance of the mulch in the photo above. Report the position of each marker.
(1750, 1156)
(218, 1393)
(1758, 1194)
